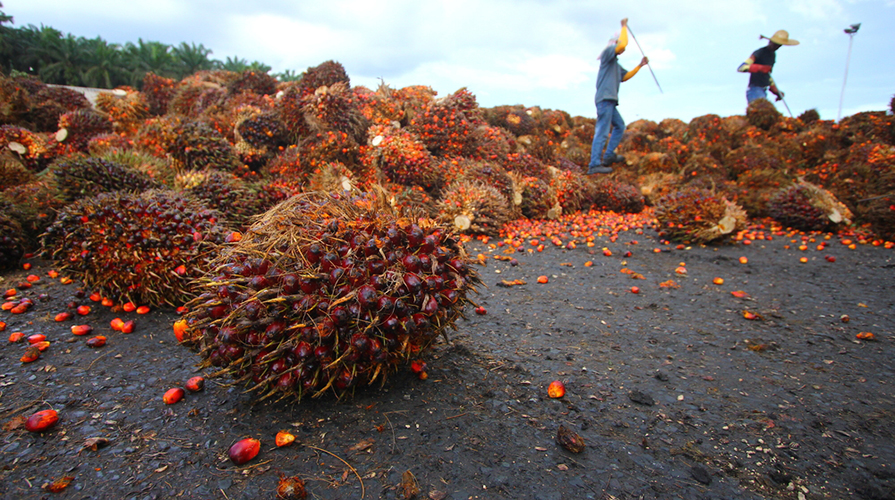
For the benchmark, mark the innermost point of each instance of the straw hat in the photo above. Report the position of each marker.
(781, 37)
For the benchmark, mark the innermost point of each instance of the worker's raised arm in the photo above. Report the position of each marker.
(749, 66)
(622, 42)
(629, 74)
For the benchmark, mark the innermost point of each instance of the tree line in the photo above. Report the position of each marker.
(65, 59)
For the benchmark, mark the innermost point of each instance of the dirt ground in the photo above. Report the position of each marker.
(674, 392)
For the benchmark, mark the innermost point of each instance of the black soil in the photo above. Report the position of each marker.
(674, 392)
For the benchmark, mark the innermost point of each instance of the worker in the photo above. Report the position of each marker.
(760, 64)
(609, 79)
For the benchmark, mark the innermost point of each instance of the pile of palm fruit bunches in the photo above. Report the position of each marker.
(137, 193)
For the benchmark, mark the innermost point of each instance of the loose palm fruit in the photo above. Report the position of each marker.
(173, 396)
(41, 421)
(195, 384)
(244, 450)
(556, 389)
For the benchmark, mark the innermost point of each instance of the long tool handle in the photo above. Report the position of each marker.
(644, 55)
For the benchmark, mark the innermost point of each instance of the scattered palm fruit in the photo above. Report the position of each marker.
(41, 421)
(16, 337)
(569, 439)
(865, 336)
(324, 294)
(172, 396)
(163, 231)
(117, 324)
(63, 316)
(556, 389)
(195, 384)
(291, 488)
(244, 450)
(284, 438)
(718, 281)
(128, 326)
(81, 329)
(32, 353)
(98, 341)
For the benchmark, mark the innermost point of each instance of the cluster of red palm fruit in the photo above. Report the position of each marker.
(146, 248)
(696, 215)
(327, 294)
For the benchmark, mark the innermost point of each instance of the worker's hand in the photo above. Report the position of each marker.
(644, 61)
(779, 95)
(625, 21)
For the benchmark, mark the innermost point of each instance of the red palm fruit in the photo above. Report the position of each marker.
(16, 336)
(173, 395)
(9, 293)
(117, 324)
(32, 353)
(107, 302)
(31, 278)
(96, 297)
(37, 337)
(244, 450)
(98, 341)
(481, 311)
(2, 326)
(19, 309)
(83, 310)
(195, 384)
(81, 329)
(42, 345)
(291, 488)
(129, 307)
(142, 309)
(556, 389)
(128, 326)
(180, 327)
(41, 421)
(64, 316)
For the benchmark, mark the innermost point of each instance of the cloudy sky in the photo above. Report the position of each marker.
(530, 52)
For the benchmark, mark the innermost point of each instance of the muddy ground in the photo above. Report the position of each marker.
(674, 392)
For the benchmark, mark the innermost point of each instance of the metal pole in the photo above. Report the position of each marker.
(850, 31)
(649, 66)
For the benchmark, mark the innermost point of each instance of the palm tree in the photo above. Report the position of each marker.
(191, 58)
(148, 57)
(289, 76)
(58, 59)
(235, 64)
(102, 65)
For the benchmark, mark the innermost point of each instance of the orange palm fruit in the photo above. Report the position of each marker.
(285, 438)
(173, 395)
(180, 329)
(129, 307)
(142, 309)
(117, 324)
(64, 316)
(556, 389)
(32, 353)
(81, 329)
(542, 279)
(98, 341)
(16, 336)
(195, 384)
(128, 326)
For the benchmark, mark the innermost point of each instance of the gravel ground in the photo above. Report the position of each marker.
(673, 391)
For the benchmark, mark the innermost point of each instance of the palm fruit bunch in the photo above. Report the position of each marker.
(413, 199)
(512, 118)
(400, 156)
(146, 247)
(156, 136)
(656, 185)
(619, 197)
(236, 199)
(198, 146)
(13, 172)
(380, 107)
(194, 98)
(573, 191)
(77, 127)
(697, 216)
(85, 176)
(334, 107)
(263, 129)
(489, 143)
(126, 111)
(326, 74)
(158, 92)
(51, 103)
(474, 207)
(762, 114)
(325, 294)
(12, 243)
(807, 207)
(107, 143)
(862, 174)
(656, 162)
(413, 100)
(880, 213)
(288, 166)
(809, 116)
(33, 206)
(873, 126)
(30, 148)
(536, 199)
(15, 101)
(290, 108)
(256, 82)
(754, 189)
(445, 126)
(750, 157)
(677, 150)
(493, 174)
(707, 127)
(330, 146)
(703, 165)
(526, 165)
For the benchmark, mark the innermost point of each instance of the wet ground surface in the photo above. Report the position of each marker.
(673, 391)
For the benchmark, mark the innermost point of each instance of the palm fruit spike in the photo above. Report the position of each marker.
(474, 207)
(325, 294)
(401, 157)
(698, 216)
(808, 207)
(145, 248)
(83, 176)
(197, 146)
(77, 127)
(12, 243)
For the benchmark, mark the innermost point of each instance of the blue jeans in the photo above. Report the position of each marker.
(607, 113)
(753, 93)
